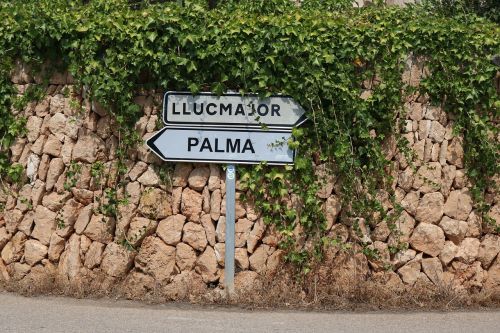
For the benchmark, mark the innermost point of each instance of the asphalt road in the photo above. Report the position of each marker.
(58, 314)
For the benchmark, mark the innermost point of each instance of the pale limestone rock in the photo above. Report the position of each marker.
(33, 126)
(410, 202)
(198, 178)
(402, 257)
(474, 225)
(181, 174)
(68, 215)
(56, 168)
(424, 127)
(13, 250)
(170, 229)
(70, 262)
(206, 265)
(433, 269)
(103, 129)
(88, 148)
(430, 208)
(85, 243)
(415, 111)
(435, 152)
(381, 232)
(156, 258)
(255, 235)
(205, 194)
(149, 178)
(32, 167)
(258, 259)
(455, 153)
(242, 232)
(194, 235)
(139, 229)
(215, 204)
(274, 261)
(67, 151)
(448, 253)
(406, 179)
(428, 178)
(191, 204)
(34, 252)
(83, 219)
(42, 108)
(117, 260)
(4, 274)
(57, 126)
(460, 180)
(133, 191)
(94, 255)
(488, 250)
(208, 225)
(45, 224)
(37, 193)
(55, 201)
(427, 150)
(468, 250)
(56, 247)
(214, 179)
(176, 200)
(100, 228)
(4, 237)
(383, 257)
(185, 257)
(83, 196)
(428, 238)
(155, 204)
(43, 168)
(442, 152)
(405, 225)
(12, 219)
(455, 230)
(52, 146)
(458, 205)
(19, 270)
(437, 132)
(27, 223)
(16, 149)
(410, 272)
(241, 258)
(493, 280)
(138, 169)
(37, 147)
(449, 172)
(220, 230)
(220, 252)
(332, 209)
(432, 113)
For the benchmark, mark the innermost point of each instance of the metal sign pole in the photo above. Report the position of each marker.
(230, 216)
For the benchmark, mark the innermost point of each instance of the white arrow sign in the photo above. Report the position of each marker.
(234, 110)
(222, 146)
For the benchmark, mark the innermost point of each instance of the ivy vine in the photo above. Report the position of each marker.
(322, 53)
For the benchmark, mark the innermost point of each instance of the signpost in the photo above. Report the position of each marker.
(232, 129)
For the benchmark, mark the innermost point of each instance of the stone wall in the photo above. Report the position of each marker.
(170, 232)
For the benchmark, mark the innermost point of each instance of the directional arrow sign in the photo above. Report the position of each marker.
(245, 146)
(231, 110)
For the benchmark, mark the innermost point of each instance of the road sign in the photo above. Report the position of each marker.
(231, 110)
(242, 146)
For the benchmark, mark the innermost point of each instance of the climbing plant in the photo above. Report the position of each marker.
(322, 53)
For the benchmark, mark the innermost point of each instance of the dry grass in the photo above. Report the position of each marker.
(284, 291)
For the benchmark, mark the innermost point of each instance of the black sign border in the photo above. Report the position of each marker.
(154, 148)
(299, 122)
